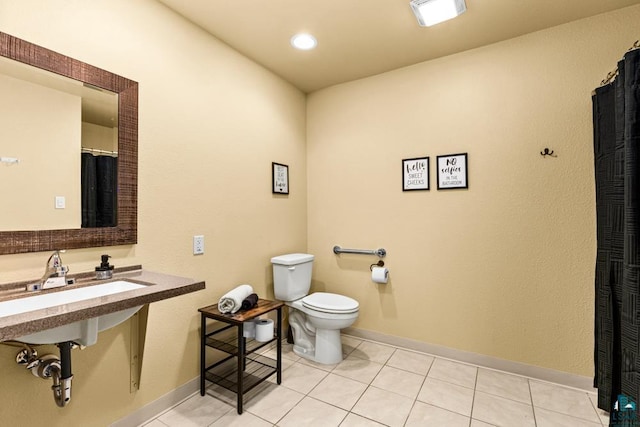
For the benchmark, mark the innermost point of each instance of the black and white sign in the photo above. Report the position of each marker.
(280, 178)
(452, 171)
(415, 174)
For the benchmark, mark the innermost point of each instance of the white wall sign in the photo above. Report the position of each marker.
(280, 178)
(452, 171)
(415, 174)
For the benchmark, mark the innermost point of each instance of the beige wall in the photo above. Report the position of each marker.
(504, 268)
(210, 124)
(99, 137)
(49, 164)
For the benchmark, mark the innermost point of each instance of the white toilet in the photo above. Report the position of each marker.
(316, 319)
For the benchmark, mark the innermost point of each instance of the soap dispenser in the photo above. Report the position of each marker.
(104, 270)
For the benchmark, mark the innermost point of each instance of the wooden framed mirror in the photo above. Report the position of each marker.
(125, 231)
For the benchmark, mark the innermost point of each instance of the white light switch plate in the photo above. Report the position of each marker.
(60, 202)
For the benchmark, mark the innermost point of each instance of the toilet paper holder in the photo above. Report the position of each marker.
(377, 264)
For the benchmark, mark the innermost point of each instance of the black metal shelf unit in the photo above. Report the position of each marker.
(243, 368)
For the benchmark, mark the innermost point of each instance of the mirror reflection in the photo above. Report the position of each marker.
(54, 161)
(64, 134)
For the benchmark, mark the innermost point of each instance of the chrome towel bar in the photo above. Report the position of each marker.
(378, 252)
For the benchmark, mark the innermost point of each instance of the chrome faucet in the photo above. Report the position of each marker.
(55, 274)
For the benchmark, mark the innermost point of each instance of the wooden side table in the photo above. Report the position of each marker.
(243, 368)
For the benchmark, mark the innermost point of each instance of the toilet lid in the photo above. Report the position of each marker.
(330, 303)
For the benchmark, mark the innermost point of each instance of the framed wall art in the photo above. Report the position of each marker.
(280, 178)
(452, 171)
(415, 174)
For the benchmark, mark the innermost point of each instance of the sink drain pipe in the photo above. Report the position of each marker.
(62, 375)
(51, 366)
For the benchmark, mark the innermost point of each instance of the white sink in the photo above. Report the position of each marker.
(84, 332)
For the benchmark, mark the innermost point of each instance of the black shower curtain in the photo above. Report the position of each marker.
(99, 190)
(616, 122)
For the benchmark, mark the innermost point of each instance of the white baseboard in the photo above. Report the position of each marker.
(544, 374)
(158, 406)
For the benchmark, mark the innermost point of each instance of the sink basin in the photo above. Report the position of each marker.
(84, 332)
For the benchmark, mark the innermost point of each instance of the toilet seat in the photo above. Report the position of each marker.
(330, 303)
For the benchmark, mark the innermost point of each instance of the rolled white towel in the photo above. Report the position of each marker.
(232, 300)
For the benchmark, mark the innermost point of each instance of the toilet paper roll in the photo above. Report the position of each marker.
(379, 274)
(249, 329)
(264, 330)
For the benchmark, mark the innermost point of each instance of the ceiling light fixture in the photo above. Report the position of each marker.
(304, 41)
(432, 12)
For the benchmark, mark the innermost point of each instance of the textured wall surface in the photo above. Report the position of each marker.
(210, 124)
(505, 268)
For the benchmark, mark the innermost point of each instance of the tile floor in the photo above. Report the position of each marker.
(381, 385)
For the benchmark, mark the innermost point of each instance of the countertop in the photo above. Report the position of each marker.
(158, 286)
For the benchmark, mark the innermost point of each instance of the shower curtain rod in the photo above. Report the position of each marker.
(95, 150)
(612, 74)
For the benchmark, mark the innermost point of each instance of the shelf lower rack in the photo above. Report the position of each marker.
(257, 369)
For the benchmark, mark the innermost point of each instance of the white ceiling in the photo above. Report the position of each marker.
(358, 38)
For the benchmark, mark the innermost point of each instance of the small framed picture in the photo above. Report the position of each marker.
(452, 171)
(280, 178)
(415, 174)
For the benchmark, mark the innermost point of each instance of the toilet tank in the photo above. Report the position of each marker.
(292, 276)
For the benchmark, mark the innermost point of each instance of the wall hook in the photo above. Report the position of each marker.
(379, 264)
(547, 152)
(9, 160)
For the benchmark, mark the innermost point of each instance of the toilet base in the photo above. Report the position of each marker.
(316, 335)
(329, 344)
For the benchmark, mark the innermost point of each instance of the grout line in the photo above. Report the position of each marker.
(473, 399)
(418, 394)
(570, 416)
(327, 373)
(595, 406)
(356, 404)
(533, 407)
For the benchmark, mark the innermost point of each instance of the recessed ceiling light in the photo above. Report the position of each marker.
(432, 12)
(304, 41)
